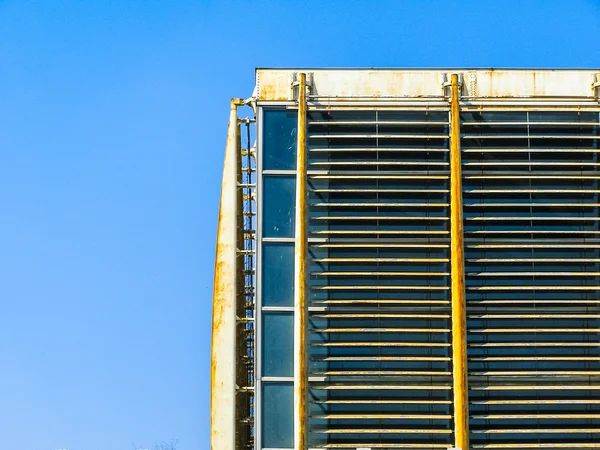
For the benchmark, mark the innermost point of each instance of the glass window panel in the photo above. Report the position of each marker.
(279, 204)
(277, 415)
(278, 344)
(279, 140)
(278, 274)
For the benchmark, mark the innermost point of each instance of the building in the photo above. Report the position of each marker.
(410, 259)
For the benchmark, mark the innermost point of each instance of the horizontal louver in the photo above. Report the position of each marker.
(380, 359)
(532, 251)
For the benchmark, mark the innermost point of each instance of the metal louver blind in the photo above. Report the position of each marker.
(380, 359)
(532, 244)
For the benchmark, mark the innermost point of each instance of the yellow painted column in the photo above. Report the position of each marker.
(459, 325)
(300, 284)
(223, 351)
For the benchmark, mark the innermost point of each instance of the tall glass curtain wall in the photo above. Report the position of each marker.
(380, 343)
(380, 369)
(277, 183)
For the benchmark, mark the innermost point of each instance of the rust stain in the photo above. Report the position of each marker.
(300, 271)
(347, 85)
(222, 404)
(267, 92)
(274, 85)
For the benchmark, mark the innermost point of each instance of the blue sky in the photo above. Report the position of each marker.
(112, 127)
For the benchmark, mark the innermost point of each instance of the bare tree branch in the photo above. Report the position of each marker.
(172, 445)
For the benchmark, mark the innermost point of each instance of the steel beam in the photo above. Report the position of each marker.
(459, 337)
(300, 273)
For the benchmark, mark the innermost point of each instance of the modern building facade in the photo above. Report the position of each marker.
(410, 259)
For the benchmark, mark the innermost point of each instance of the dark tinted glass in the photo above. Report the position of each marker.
(278, 344)
(279, 140)
(278, 275)
(278, 415)
(278, 202)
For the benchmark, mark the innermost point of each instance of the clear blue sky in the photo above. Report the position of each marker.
(112, 127)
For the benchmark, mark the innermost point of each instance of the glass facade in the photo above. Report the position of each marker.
(277, 415)
(279, 139)
(380, 359)
(278, 344)
(278, 183)
(278, 274)
(278, 206)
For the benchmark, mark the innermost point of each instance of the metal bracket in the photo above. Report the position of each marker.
(447, 83)
(295, 81)
(596, 86)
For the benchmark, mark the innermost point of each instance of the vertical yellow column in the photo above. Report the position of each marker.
(223, 352)
(459, 336)
(300, 284)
